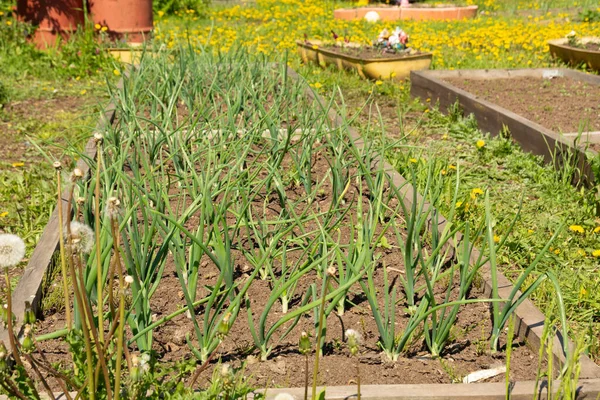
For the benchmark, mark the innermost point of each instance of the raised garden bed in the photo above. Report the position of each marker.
(332, 219)
(543, 109)
(414, 11)
(586, 53)
(366, 61)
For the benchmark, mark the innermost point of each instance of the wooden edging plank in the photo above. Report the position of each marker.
(30, 283)
(529, 320)
(523, 390)
(492, 118)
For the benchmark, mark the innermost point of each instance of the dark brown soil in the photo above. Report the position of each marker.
(370, 52)
(467, 351)
(560, 104)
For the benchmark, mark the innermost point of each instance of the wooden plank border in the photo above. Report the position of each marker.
(29, 287)
(532, 137)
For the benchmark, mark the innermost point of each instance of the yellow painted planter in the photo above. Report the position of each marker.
(127, 55)
(575, 56)
(396, 68)
(309, 51)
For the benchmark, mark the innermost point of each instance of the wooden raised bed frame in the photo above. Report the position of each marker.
(493, 119)
(529, 321)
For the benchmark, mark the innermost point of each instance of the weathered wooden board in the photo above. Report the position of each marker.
(532, 137)
(589, 389)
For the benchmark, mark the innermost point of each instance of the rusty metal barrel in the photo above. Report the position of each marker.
(129, 20)
(54, 18)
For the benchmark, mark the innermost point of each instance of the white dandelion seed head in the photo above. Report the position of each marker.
(129, 279)
(351, 334)
(98, 137)
(57, 165)
(284, 396)
(78, 173)
(331, 271)
(226, 370)
(113, 207)
(82, 237)
(12, 250)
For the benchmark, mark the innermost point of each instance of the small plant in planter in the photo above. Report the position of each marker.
(575, 41)
(389, 57)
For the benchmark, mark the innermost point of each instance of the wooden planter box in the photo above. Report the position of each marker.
(529, 321)
(492, 118)
(574, 56)
(412, 12)
(396, 68)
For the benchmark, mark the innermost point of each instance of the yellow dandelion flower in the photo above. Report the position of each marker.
(98, 26)
(315, 47)
(17, 164)
(596, 253)
(3, 214)
(104, 29)
(83, 92)
(576, 228)
(597, 229)
(445, 136)
(451, 166)
(557, 251)
(412, 160)
(476, 192)
(496, 239)
(530, 231)
(480, 144)
(318, 85)
(378, 82)
(443, 172)
(117, 72)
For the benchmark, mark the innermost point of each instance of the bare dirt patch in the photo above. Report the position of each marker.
(560, 104)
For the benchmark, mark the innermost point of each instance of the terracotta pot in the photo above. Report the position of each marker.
(130, 20)
(54, 18)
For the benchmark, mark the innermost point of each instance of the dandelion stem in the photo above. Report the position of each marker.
(9, 322)
(79, 300)
(306, 377)
(99, 274)
(63, 260)
(358, 377)
(319, 335)
(119, 355)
